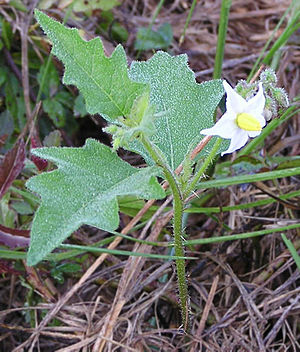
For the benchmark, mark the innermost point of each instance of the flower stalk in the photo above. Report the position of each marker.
(197, 177)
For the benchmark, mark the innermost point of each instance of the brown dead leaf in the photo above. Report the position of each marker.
(11, 166)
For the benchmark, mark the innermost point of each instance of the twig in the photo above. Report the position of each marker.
(273, 267)
(16, 71)
(272, 334)
(206, 310)
(251, 307)
(24, 48)
(253, 79)
(228, 64)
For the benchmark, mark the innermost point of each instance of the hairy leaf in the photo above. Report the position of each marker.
(103, 81)
(83, 190)
(187, 107)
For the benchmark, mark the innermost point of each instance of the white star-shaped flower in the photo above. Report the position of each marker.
(242, 119)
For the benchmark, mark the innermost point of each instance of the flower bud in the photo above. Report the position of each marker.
(112, 129)
(268, 77)
(270, 109)
(245, 89)
(281, 97)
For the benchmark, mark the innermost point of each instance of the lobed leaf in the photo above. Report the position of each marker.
(237, 180)
(83, 190)
(186, 106)
(103, 81)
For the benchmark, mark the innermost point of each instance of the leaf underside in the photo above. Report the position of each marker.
(83, 190)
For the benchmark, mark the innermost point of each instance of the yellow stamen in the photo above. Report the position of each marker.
(248, 122)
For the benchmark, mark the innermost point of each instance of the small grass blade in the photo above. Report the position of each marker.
(121, 252)
(241, 236)
(258, 61)
(259, 203)
(292, 249)
(236, 180)
(187, 22)
(225, 8)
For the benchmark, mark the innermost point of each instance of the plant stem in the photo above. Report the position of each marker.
(157, 157)
(156, 12)
(177, 227)
(226, 4)
(192, 186)
(286, 34)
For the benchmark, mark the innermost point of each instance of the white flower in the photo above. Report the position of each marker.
(242, 119)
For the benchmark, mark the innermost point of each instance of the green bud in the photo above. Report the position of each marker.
(140, 121)
(245, 89)
(268, 77)
(116, 143)
(112, 129)
(275, 97)
(139, 108)
(270, 109)
(281, 97)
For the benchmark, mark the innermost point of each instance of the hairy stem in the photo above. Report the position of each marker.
(177, 227)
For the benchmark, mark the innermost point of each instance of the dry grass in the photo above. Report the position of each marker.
(245, 295)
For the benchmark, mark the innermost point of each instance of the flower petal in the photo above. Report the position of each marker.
(261, 119)
(234, 102)
(256, 105)
(225, 127)
(253, 134)
(238, 140)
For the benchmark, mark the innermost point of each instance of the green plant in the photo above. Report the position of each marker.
(154, 108)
